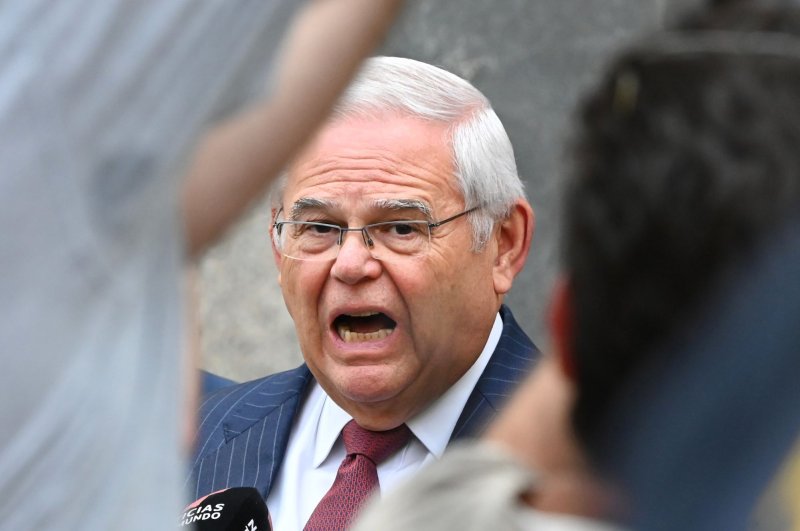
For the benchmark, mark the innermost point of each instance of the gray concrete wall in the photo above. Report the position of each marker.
(533, 59)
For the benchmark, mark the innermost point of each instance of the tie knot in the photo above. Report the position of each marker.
(376, 445)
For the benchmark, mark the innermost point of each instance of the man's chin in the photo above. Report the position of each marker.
(371, 392)
(367, 384)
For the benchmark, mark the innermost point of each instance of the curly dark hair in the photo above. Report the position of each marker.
(684, 161)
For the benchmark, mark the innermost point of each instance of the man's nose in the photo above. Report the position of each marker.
(354, 262)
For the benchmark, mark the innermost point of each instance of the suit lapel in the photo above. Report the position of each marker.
(510, 363)
(256, 424)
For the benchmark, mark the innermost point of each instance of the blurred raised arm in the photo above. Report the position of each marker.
(236, 161)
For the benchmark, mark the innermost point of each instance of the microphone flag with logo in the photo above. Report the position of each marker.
(234, 509)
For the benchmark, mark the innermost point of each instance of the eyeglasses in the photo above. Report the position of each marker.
(312, 241)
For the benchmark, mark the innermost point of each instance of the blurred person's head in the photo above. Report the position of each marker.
(687, 154)
(389, 317)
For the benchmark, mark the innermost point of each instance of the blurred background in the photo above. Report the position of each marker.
(533, 59)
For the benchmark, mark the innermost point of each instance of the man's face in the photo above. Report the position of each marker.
(385, 338)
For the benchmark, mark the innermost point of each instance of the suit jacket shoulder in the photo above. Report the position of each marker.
(243, 431)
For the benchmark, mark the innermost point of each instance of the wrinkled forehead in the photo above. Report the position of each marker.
(394, 163)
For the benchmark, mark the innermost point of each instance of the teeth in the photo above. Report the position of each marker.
(358, 337)
(363, 314)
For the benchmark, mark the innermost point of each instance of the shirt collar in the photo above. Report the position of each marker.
(332, 420)
(432, 427)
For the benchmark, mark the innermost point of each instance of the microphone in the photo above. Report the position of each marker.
(234, 509)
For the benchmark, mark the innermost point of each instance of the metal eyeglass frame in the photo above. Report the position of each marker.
(278, 225)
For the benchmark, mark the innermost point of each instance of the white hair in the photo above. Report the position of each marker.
(483, 158)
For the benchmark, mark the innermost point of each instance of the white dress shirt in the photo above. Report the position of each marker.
(315, 449)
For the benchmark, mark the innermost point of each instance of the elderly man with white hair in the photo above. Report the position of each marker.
(397, 233)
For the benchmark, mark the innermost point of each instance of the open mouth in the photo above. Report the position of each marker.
(362, 327)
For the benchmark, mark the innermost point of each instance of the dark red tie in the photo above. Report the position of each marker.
(357, 475)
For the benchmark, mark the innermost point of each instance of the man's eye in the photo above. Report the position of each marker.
(319, 229)
(400, 228)
(404, 228)
(310, 229)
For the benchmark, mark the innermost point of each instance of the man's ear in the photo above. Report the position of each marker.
(562, 320)
(513, 243)
(276, 255)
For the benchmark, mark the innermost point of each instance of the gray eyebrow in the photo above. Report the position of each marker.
(304, 204)
(403, 204)
(310, 203)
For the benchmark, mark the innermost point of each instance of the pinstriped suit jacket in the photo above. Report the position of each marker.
(244, 429)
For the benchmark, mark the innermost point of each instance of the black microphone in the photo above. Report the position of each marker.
(234, 509)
